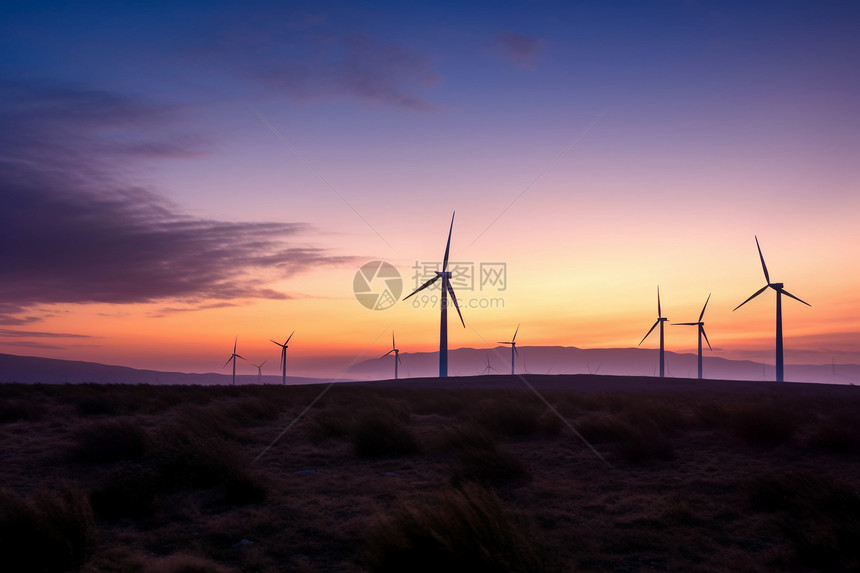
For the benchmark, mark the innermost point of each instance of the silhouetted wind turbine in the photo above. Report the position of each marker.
(780, 371)
(396, 352)
(284, 356)
(233, 358)
(514, 350)
(447, 289)
(701, 326)
(660, 321)
(259, 371)
(488, 368)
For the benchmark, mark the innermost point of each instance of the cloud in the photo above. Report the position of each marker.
(310, 58)
(14, 333)
(521, 50)
(72, 231)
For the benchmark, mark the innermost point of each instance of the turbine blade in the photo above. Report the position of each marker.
(386, 354)
(763, 266)
(649, 332)
(517, 352)
(500, 342)
(422, 287)
(515, 333)
(786, 293)
(397, 357)
(448, 245)
(454, 300)
(659, 312)
(242, 357)
(278, 343)
(235, 342)
(288, 338)
(393, 346)
(758, 292)
(704, 307)
(228, 361)
(685, 324)
(706, 339)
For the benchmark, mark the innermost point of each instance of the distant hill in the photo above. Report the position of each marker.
(462, 362)
(611, 361)
(34, 370)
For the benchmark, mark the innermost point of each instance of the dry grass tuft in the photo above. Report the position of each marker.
(458, 530)
(55, 531)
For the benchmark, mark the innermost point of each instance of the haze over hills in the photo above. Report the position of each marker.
(462, 362)
(610, 361)
(34, 370)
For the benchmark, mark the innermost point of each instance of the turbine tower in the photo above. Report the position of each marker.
(488, 368)
(259, 371)
(660, 321)
(233, 358)
(514, 350)
(446, 289)
(284, 356)
(780, 370)
(396, 352)
(701, 326)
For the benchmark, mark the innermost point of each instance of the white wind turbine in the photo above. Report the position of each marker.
(396, 352)
(701, 328)
(514, 350)
(660, 320)
(488, 368)
(259, 371)
(446, 289)
(233, 358)
(780, 370)
(284, 356)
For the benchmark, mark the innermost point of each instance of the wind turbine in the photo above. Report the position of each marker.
(660, 321)
(284, 356)
(514, 350)
(259, 371)
(701, 326)
(396, 352)
(447, 289)
(780, 370)
(233, 358)
(488, 368)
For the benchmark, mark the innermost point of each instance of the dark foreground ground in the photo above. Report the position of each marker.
(480, 474)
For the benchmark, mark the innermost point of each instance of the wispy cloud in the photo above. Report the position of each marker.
(72, 230)
(14, 333)
(520, 49)
(302, 57)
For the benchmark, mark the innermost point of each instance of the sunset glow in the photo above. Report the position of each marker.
(176, 177)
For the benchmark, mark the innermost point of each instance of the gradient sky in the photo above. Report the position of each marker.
(177, 175)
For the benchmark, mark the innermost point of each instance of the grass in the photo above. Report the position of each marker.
(464, 529)
(53, 531)
(113, 479)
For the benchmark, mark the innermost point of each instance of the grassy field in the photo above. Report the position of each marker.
(458, 476)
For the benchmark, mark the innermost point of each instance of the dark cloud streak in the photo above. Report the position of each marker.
(72, 231)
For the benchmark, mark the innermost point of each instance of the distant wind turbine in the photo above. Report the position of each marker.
(233, 358)
(660, 321)
(446, 289)
(701, 326)
(284, 356)
(259, 371)
(396, 352)
(488, 367)
(514, 350)
(780, 370)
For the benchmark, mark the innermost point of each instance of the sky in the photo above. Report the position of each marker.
(179, 175)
